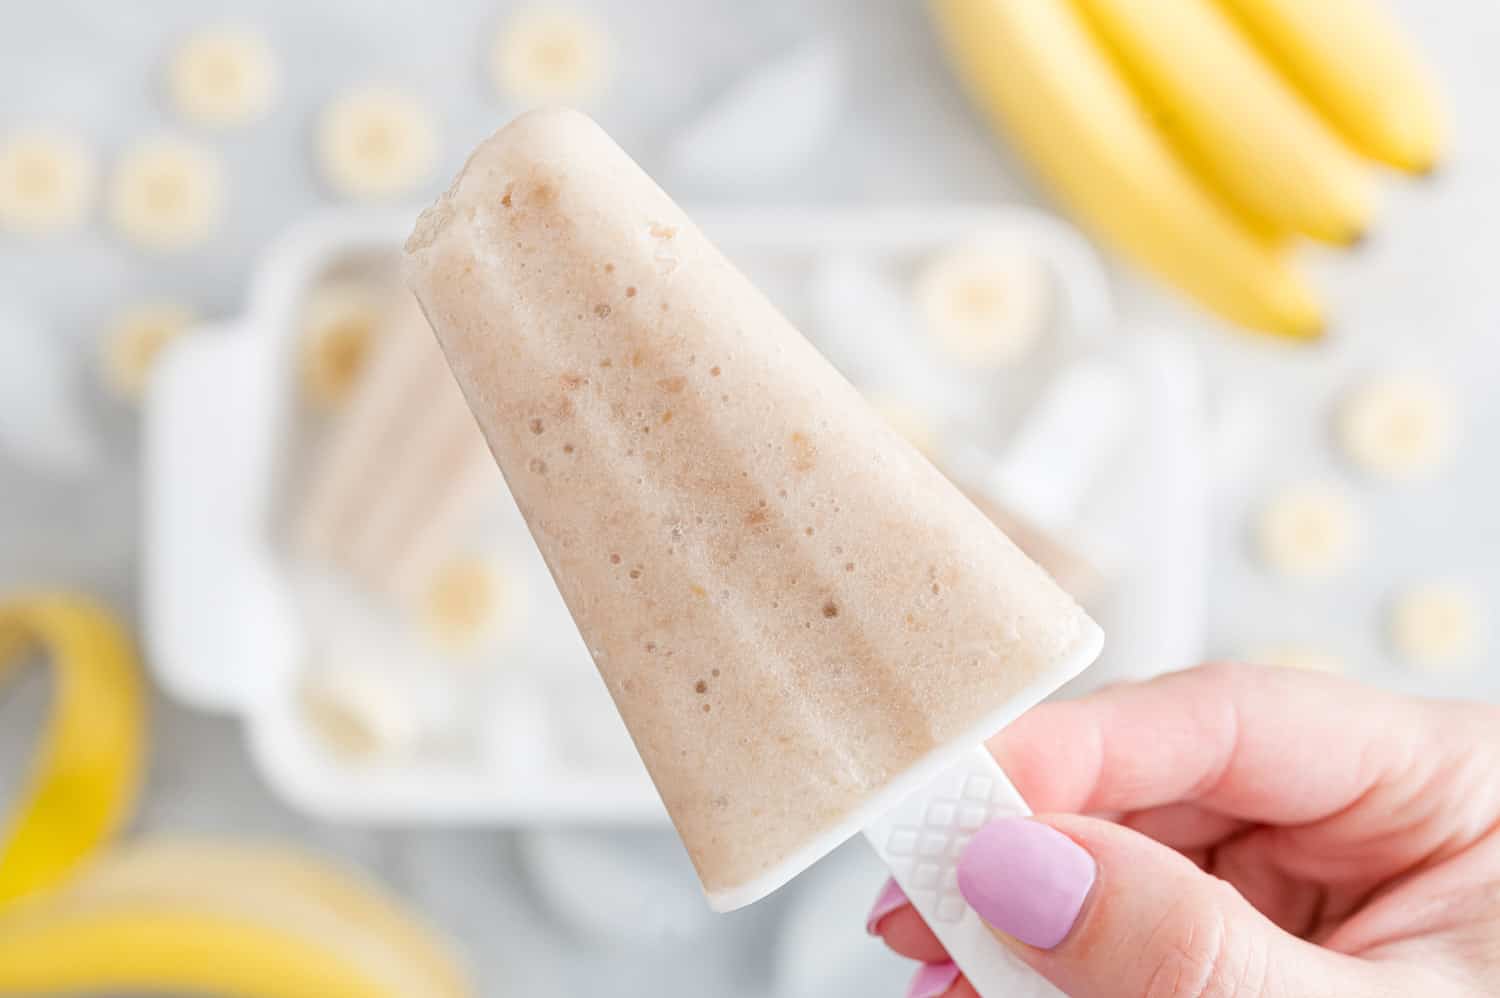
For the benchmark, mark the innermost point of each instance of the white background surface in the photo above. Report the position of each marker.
(1421, 292)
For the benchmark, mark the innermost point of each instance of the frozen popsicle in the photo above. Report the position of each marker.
(801, 621)
(404, 465)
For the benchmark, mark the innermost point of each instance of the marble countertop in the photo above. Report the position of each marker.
(1420, 293)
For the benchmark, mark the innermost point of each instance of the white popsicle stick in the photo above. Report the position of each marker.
(921, 841)
(1078, 425)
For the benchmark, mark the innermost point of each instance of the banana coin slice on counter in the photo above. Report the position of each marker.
(1308, 532)
(46, 182)
(1435, 626)
(469, 602)
(1398, 427)
(376, 143)
(339, 325)
(1301, 657)
(550, 56)
(135, 342)
(222, 76)
(984, 305)
(166, 194)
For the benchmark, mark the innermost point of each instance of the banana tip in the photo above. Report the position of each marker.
(1427, 171)
(1420, 161)
(1313, 332)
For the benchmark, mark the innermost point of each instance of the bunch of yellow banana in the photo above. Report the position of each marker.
(1198, 137)
(181, 917)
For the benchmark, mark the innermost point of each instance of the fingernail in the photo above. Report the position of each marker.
(933, 980)
(891, 898)
(1026, 879)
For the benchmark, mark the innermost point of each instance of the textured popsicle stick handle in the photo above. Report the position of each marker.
(921, 840)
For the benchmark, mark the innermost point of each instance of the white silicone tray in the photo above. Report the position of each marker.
(223, 634)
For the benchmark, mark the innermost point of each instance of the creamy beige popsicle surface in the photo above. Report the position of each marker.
(793, 610)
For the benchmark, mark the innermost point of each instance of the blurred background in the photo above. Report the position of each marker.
(1194, 296)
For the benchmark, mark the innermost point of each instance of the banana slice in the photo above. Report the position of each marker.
(544, 57)
(910, 421)
(1435, 626)
(984, 305)
(135, 342)
(1301, 657)
(468, 603)
(359, 713)
(376, 143)
(1308, 532)
(339, 325)
(222, 76)
(166, 194)
(1398, 427)
(46, 182)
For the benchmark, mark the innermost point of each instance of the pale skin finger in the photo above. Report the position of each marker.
(1327, 763)
(1209, 761)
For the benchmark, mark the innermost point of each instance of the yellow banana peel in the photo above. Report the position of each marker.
(201, 917)
(88, 766)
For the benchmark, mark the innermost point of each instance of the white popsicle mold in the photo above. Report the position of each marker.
(221, 621)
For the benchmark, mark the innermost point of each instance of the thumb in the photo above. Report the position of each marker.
(1103, 911)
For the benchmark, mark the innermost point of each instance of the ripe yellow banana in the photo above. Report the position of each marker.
(136, 948)
(183, 917)
(88, 767)
(1349, 58)
(1037, 68)
(211, 875)
(1234, 118)
(230, 920)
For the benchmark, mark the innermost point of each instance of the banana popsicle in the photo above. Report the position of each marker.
(403, 467)
(799, 618)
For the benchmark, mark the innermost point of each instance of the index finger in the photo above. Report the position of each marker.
(1268, 745)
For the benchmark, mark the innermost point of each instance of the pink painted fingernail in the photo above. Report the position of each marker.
(891, 898)
(933, 980)
(1026, 879)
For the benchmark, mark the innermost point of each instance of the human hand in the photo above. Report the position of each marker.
(1270, 833)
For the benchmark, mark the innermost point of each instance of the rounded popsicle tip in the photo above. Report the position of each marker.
(545, 139)
(547, 120)
(536, 145)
